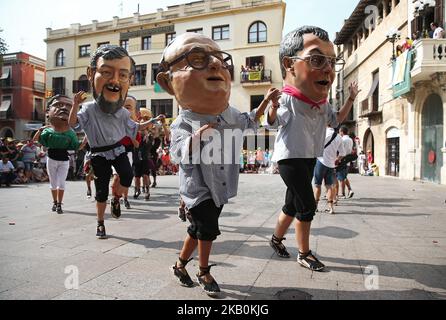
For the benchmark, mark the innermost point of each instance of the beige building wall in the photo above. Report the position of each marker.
(238, 14)
(404, 113)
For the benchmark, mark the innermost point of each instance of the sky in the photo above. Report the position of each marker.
(24, 22)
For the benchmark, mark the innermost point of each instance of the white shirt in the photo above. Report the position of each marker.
(331, 151)
(301, 129)
(347, 143)
(6, 167)
(438, 33)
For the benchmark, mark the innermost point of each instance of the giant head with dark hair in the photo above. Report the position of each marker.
(58, 110)
(110, 73)
(295, 52)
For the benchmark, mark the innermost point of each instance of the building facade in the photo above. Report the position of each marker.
(22, 95)
(250, 31)
(400, 112)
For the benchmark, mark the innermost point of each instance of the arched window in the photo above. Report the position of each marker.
(257, 32)
(60, 58)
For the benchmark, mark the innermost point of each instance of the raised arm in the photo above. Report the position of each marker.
(273, 96)
(78, 99)
(353, 90)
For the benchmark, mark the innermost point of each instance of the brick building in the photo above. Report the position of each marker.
(22, 95)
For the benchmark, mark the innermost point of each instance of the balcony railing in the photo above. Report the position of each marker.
(39, 86)
(255, 77)
(430, 58)
(7, 83)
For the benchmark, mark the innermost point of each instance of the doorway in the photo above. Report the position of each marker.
(432, 139)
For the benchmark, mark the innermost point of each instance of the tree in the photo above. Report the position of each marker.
(3, 49)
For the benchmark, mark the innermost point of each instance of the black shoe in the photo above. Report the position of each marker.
(137, 193)
(211, 289)
(100, 232)
(147, 196)
(59, 208)
(88, 194)
(127, 204)
(153, 185)
(54, 208)
(183, 278)
(279, 247)
(115, 208)
(313, 264)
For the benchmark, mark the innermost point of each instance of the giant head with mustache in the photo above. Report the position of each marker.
(58, 111)
(110, 74)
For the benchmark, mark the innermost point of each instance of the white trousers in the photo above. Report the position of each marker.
(57, 173)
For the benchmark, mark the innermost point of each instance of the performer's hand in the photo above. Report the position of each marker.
(353, 90)
(208, 126)
(273, 95)
(80, 97)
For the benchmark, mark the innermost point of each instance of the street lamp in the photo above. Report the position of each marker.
(393, 35)
(421, 7)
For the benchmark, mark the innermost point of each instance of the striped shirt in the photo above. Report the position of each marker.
(216, 180)
(301, 128)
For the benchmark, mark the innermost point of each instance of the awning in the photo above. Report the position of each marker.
(5, 74)
(33, 126)
(374, 84)
(4, 107)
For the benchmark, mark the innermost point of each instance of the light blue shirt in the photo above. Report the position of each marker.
(103, 129)
(217, 180)
(301, 129)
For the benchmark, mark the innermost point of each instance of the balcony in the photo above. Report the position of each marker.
(255, 78)
(39, 86)
(430, 58)
(374, 116)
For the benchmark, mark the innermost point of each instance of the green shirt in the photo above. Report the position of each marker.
(59, 140)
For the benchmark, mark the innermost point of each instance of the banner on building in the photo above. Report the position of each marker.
(255, 76)
(401, 81)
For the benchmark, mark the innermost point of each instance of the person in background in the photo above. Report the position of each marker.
(58, 137)
(438, 32)
(7, 175)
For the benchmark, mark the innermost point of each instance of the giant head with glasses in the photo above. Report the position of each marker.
(110, 73)
(309, 61)
(58, 109)
(197, 73)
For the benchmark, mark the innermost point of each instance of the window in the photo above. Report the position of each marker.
(257, 32)
(39, 112)
(141, 104)
(162, 106)
(375, 95)
(170, 37)
(60, 58)
(103, 43)
(256, 101)
(140, 75)
(59, 85)
(125, 44)
(220, 33)
(146, 43)
(84, 51)
(81, 85)
(155, 67)
(199, 30)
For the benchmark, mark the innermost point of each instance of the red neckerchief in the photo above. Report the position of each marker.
(296, 93)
